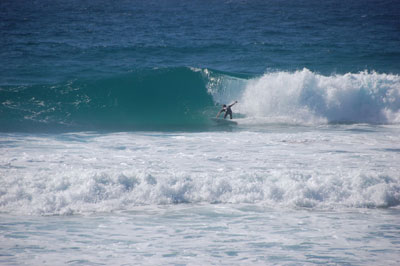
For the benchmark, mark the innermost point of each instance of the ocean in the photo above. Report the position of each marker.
(110, 155)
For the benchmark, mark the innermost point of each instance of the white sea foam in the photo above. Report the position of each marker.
(304, 97)
(352, 166)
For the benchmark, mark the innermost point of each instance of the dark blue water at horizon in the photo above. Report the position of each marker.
(57, 40)
(48, 45)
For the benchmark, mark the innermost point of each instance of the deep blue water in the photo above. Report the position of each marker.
(94, 49)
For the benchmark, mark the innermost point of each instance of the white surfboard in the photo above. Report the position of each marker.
(224, 122)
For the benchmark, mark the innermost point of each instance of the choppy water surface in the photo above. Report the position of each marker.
(205, 234)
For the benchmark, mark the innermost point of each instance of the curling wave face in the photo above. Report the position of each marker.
(150, 99)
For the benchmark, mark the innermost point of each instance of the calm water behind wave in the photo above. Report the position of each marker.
(48, 41)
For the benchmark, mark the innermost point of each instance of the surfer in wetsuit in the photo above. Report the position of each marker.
(227, 110)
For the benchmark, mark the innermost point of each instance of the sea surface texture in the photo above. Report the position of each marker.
(110, 156)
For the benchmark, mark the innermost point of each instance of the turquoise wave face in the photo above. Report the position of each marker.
(147, 99)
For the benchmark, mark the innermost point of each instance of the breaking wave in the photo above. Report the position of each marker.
(187, 97)
(305, 97)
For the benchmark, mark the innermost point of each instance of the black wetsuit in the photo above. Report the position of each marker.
(228, 111)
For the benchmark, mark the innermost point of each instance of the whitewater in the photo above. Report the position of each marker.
(284, 167)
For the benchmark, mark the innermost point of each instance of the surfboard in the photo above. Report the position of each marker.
(224, 122)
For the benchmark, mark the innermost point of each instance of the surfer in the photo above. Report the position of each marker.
(227, 110)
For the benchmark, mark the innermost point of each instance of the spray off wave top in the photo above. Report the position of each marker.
(304, 97)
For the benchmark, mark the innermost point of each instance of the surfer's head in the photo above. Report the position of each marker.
(224, 105)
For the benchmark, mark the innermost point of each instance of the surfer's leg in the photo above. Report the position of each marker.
(230, 114)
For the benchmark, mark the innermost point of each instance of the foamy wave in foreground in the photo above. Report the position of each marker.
(310, 98)
(104, 192)
(283, 167)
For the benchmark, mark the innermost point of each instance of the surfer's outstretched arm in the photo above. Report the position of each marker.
(219, 113)
(232, 104)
